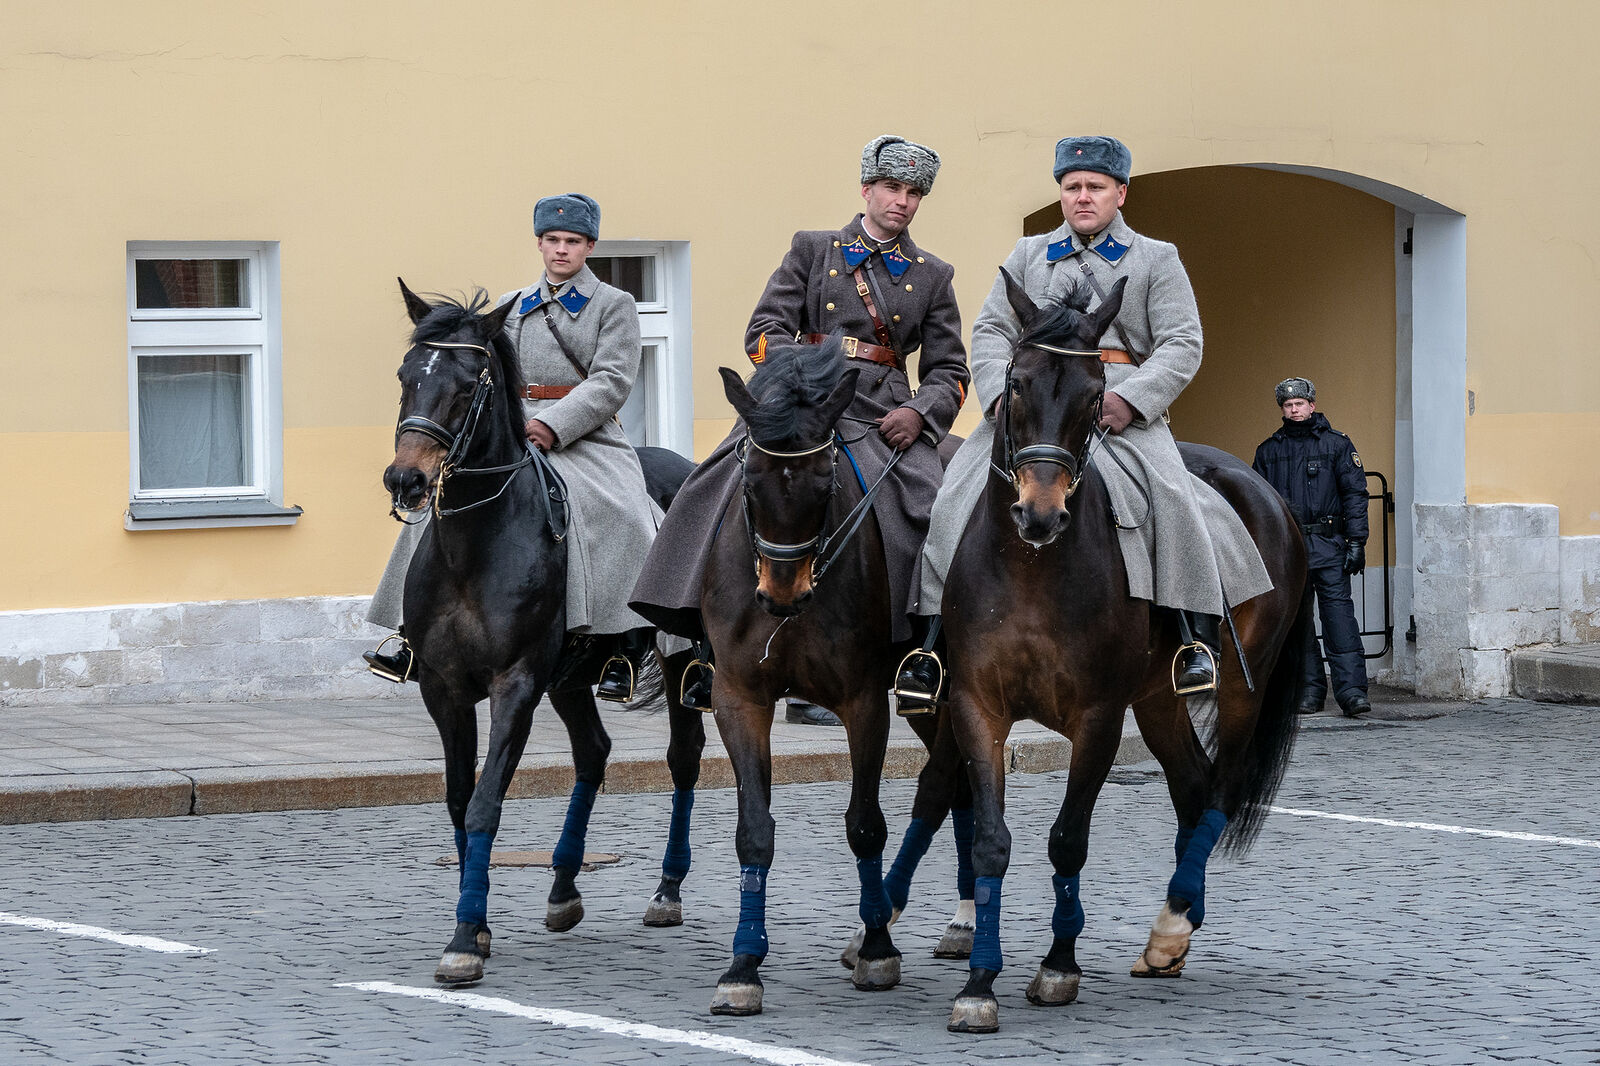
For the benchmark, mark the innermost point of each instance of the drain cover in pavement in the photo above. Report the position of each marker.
(514, 859)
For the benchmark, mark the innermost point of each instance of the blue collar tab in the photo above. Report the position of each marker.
(531, 302)
(895, 262)
(573, 300)
(855, 253)
(1109, 249)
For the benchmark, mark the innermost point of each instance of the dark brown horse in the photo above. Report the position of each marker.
(485, 609)
(1040, 626)
(797, 602)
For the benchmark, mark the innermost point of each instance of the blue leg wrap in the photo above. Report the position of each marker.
(1189, 882)
(569, 849)
(1067, 922)
(473, 905)
(919, 834)
(1181, 845)
(675, 864)
(986, 941)
(875, 907)
(961, 822)
(461, 858)
(751, 936)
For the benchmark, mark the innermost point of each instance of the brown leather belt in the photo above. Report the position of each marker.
(1113, 355)
(859, 349)
(545, 392)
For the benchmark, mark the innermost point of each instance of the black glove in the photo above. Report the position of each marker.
(1355, 556)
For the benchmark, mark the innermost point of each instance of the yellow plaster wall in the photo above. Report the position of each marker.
(401, 138)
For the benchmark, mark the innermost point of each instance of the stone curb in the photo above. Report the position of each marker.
(328, 786)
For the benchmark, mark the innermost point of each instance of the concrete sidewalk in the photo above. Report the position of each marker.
(146, 761)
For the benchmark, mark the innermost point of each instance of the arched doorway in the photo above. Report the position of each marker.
(1355, 284)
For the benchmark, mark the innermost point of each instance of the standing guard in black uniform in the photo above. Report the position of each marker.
(1316, 469)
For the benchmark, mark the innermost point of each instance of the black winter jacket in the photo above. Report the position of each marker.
(1316, 469)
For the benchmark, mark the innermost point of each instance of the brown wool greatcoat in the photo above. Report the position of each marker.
(812, 291)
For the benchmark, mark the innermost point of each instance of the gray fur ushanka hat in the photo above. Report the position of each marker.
(895, 157)
(1102, 155)
(573, 212)
(1295, 389)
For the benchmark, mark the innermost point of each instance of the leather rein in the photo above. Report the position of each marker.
(824, 551)
(552, 489)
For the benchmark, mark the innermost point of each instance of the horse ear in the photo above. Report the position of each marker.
(495, 320)
(1101, 318)
(416, 306)
(738, 395)
(840, 398)
(1021, 303)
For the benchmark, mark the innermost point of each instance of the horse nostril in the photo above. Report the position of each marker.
(803, 599)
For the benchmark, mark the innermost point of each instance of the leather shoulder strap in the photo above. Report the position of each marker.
(865, 292)
(551, 322)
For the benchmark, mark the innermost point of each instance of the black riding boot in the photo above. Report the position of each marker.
(621, 671)
(1195, 667)
(921, 674)
(396, 666)
(697, 677)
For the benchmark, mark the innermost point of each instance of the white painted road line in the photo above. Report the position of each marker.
(1503, 834)
(149, 943)
(730, 1045)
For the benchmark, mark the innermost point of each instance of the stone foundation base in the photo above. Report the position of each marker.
(219, 652)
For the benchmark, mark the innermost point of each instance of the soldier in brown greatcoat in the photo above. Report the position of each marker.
(816, 292)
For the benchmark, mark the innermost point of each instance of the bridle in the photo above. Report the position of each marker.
(1075, 463)
(824, 552)
(457, 443)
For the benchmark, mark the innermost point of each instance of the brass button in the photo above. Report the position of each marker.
(908, 288)
(897, 318)
(836, 244)
(921, 260)
(830, 307)
(833, 273)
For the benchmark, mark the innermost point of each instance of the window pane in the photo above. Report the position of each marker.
(636, 413)
(191, 283)
(194, 421)
(634, 274)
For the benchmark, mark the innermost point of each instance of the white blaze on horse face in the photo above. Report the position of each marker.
(433, 362)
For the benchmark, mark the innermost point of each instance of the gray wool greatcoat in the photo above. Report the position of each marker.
(612, 520)
(812, 291)
(1193, 547)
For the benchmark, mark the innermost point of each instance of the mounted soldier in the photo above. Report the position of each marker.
(888, 298)
(577, 339)
(1184, 547)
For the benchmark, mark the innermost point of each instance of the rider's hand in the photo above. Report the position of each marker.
(1116, 413)
(540, 435)
(900, 428)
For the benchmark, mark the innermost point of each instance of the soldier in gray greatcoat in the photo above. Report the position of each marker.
(908, 306)
(577, 339)
(1192, 552)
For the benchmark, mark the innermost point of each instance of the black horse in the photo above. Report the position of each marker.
(797, 601)
(485, 609)
(1040, 626)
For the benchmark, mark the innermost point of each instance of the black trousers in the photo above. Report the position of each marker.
(1341, 635)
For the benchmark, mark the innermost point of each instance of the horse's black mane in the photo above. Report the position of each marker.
(791, 382)
(450, 318)
(1058, 324)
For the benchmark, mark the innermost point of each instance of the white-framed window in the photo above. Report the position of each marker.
(660, 410)
(205, 426)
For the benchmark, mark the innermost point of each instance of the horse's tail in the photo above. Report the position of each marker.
(1268, 754)
(650, 689)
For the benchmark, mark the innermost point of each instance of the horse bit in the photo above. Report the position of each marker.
(824, 552)
(456, 445)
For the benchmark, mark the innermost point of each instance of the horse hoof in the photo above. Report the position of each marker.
(1164, 953)
(484, 939)
(1052, 988)
(852, 950)
(458, 969)
(975, 1014)
(876, 975)
(663, 913)
(559, 917)
(739, 1000)
(956, 942)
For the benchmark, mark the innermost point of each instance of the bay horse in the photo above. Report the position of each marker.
(1040, 626)
(485, 610)
(797, 602)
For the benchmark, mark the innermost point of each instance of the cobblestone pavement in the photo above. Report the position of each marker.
(1330, 942)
